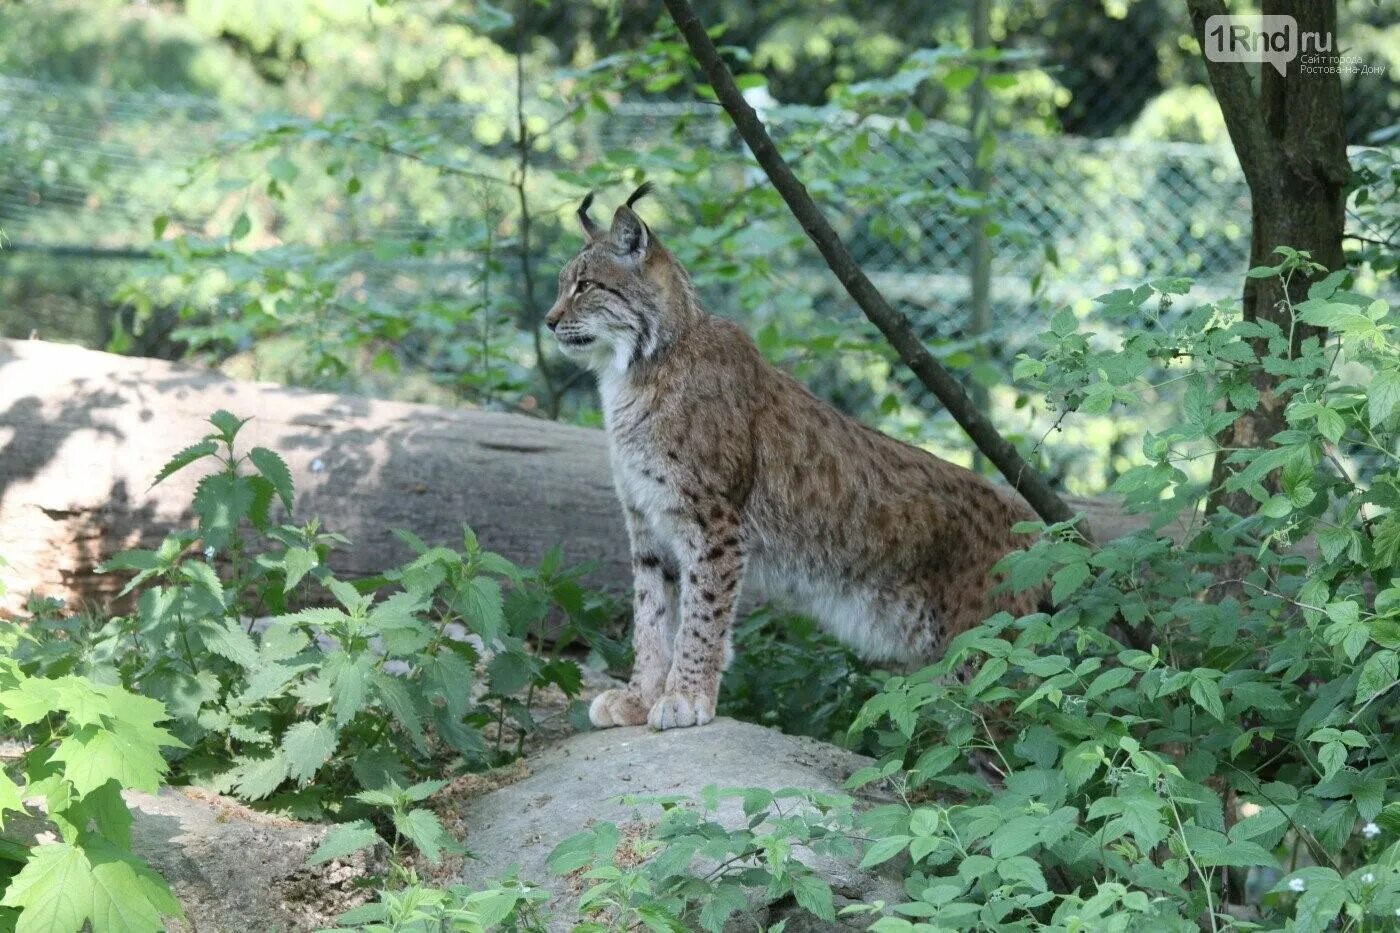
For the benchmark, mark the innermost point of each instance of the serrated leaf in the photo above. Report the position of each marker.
(396, 698)
(1206, 694)
(184, 458)
(344, 839)
(1379, 673)
(483, 607)
(227, 424)
(274, 469)
(1382, 396)
(814, 896)
(94, 755)
(307, 746)
(256, 778)
(1067, 580)
(298, 562)
(349, 687)
(228, 640)
(884, 849)
(11, 797)
(52, 890)
(424, 830)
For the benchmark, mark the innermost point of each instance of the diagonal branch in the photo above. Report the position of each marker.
(1239, 105)
(895, 326)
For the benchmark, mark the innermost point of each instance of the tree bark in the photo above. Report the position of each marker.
(1291, 143)
(1023, 477)
(83, 433)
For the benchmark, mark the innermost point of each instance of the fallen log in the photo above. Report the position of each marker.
(83, 433)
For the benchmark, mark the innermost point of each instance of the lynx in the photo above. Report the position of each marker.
(728, 468)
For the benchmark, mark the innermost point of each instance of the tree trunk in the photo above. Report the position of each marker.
(1291, 142)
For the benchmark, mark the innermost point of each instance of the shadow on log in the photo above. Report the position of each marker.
(83, 433)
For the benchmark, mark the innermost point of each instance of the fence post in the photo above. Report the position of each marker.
(980, 269)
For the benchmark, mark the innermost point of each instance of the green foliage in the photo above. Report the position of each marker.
(509, 905)
(309, 694)
(1202, 723)
(690, 872)
(84, 743)
(788, 675)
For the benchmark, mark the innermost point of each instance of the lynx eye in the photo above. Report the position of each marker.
(584, 285)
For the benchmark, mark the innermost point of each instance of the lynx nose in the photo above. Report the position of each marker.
(551, 320)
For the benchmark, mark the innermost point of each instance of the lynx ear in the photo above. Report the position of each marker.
(629, 236)
(590, 226)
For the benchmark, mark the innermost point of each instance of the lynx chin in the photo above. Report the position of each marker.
(728, 468)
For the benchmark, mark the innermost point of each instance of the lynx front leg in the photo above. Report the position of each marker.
(712, 564)
(654, 610)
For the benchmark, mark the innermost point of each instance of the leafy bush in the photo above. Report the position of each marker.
(789, 675)
(84, 743)
(320, 710)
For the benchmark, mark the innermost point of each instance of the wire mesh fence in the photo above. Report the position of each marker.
(85, 171)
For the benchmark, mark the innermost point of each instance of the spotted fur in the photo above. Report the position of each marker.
(727, 467)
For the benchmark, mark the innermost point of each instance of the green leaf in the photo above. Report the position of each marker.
(298, 562)
(256, 778)
(884, 849)
(349, 686)
(960, 78)
(341, 840)
(1015, 836)
(94, 755)
(482, 606)
(11, 797)
(227, 424)
(424, 830)
(52, 890)
(307, 746)
(1067, 580)
(1111, 679)
(62, 886)
(1206, 694)
(1382, 396)
(227, 639)
(814, 895)
(127, 896)
(274, 469)
(1378, 673)
(241, 227)
(399, 702)
(184, 458)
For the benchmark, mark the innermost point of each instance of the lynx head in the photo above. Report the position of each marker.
(624, 297)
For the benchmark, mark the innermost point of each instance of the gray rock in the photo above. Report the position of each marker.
(575, 783)
(234, 869)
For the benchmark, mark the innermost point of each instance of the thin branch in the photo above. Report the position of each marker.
(895, 326)
(1239, 105)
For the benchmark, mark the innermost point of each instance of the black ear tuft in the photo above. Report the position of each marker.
(644, 189)
(590, 227)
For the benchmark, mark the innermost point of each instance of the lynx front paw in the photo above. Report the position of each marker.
(681, 709)
(623, 707)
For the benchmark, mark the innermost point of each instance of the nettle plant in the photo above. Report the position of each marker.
(83, 743)
(310, 694)
(1204, 734)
